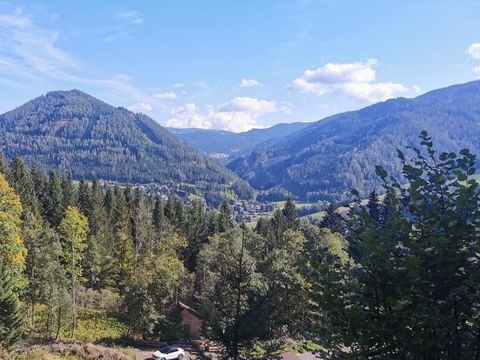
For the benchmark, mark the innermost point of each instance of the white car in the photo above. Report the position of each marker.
(169, 352)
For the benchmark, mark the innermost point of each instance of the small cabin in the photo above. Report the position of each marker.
(191, 321)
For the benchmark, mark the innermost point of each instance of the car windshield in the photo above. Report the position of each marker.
(165, 350)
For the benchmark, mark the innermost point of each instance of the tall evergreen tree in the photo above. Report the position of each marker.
(10, 312)
(22, 182)
(69, 196)
(4, 167)
(225, 219)
(122, 241)
(332, 220)
(54, 200)
(158, 215)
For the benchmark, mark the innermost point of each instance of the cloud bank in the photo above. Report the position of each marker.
(356, 80)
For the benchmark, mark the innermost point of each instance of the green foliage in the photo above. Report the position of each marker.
(12, 250)
(70, 131)
(10, 312)
(229, 281)
(411, 288)
(325, 160)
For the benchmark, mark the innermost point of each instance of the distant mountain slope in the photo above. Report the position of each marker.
(73, 131)
(230, 143)
(331, 156)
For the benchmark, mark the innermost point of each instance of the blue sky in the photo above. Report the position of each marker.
(236, 64)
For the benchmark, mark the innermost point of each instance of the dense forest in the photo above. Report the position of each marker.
(326, 159)
(393, 279)
(73, 132)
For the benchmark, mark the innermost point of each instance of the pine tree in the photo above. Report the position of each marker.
(22, 182)
(69, 196)
(54, 200)
(373, 205)
(122, 241)
(225, 220)
(197, 234)
(290, 214)
(84, 197)
(332, 220)
(40, 184)
(158, 215)
(10, 313)
(4, 167)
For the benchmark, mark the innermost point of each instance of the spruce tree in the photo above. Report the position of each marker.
(4, 167)
(225, 219)
(332, 220)
(21, 180)
(54, 200)
(69, 195)
(158, 215)
(10, 312)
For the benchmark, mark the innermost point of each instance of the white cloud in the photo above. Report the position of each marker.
(246, 83)
(476, 70)
(169, 95)
(27, 51)
(239, 114)
(249, 105)
(474, 51)
(141, 107)
(132, 16)
(187, 116)
(355, 80)
(31, 53)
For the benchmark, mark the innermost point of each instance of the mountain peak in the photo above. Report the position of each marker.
(76, 132)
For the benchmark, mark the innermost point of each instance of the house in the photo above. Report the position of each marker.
(191, 321)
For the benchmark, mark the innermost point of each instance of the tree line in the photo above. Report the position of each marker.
(395, 278)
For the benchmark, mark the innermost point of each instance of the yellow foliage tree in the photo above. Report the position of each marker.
(12, 248)
(74, 230)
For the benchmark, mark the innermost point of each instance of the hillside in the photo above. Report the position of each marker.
(231, 143)
(73, 131)
(328, 158)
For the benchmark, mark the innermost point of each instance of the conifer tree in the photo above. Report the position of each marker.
(54, 200)
(4, 167)
(69, 196)
(10, 313)
(158, 215)
(332, 220)
(225, 220)
(22, 182)
(122, 241)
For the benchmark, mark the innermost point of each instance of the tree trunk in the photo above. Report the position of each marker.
(239, 298)
(74, 315)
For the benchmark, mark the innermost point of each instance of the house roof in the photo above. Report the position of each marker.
(189, 309)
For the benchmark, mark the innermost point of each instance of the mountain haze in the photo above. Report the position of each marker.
(75, 132)
(231, 143)
(330, 157)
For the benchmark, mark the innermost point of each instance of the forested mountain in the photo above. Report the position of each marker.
(330, 157)
(75, 132)
(231, 143)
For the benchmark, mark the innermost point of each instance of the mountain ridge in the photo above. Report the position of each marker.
(232, 143)
(76, 132)
(330, 157)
